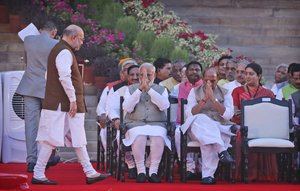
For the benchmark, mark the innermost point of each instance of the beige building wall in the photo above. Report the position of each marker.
(265, 30)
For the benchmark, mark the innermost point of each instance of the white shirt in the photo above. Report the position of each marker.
(113, 111)
(101, 107)
(279, 94)
(64, 62)
(230, 86)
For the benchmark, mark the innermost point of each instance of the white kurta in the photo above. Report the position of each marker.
(101, 107)
(229, 111)
(212, 136)
(113, 109)
(162, 102)
(57, 127)
(230, 86)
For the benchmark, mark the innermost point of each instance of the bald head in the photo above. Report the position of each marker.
(74, 36)
(211, 71)
(72, 30)
(210, 77)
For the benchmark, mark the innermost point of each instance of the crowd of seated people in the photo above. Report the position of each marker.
(213, 106)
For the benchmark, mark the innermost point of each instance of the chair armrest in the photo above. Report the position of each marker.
(244, 131)
(244, 137)
(171, 134)
(295, 135)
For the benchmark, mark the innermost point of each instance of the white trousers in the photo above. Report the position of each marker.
(190, 158)
(103, 133)
(156, 151)
(212, 140)
(44, 155)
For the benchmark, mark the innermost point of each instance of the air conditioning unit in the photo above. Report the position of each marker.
(13, 145)
(1, 117)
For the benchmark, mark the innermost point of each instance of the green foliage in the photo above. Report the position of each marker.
(128, 25)
(180, 54)
(111, 13)
(143, 43)
(162, 47)
(96, 8)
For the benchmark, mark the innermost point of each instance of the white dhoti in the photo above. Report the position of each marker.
(56, 129)
(148, 130)
(137, 138)
(213, 138)
(103, 135)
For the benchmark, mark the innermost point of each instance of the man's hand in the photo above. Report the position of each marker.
(209, 94)
(102, 120)
(144, 84)
(73, 109)
(116, 123)
(237, 113)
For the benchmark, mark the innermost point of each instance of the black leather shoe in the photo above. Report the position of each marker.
(91, 180)
(132, 173)
(225, 157)
(208, 180)
(52, 162)
(192, 176)
(154, 178)
(30, 167)
(141, 178)
(44, 182)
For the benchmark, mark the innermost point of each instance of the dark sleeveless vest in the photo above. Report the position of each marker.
(55, 93)
(208, 109)
(146, 112)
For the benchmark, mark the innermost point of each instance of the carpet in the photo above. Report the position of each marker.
(70, 177)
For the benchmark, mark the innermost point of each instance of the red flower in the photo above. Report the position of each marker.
(201, 35)
(184, 35)
(147, 3)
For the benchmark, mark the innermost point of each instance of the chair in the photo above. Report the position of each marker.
(100, 151)
(101, 159)
(188, 146)
(167, 161)
(265, 128)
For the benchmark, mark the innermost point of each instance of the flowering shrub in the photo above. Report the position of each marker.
(151, 16)
(111, 41)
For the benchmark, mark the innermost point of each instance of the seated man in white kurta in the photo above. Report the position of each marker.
(144, 104)
(209, 109)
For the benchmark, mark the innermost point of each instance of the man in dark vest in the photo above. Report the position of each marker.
(209, 110)
(144, 104)
(62, 116)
